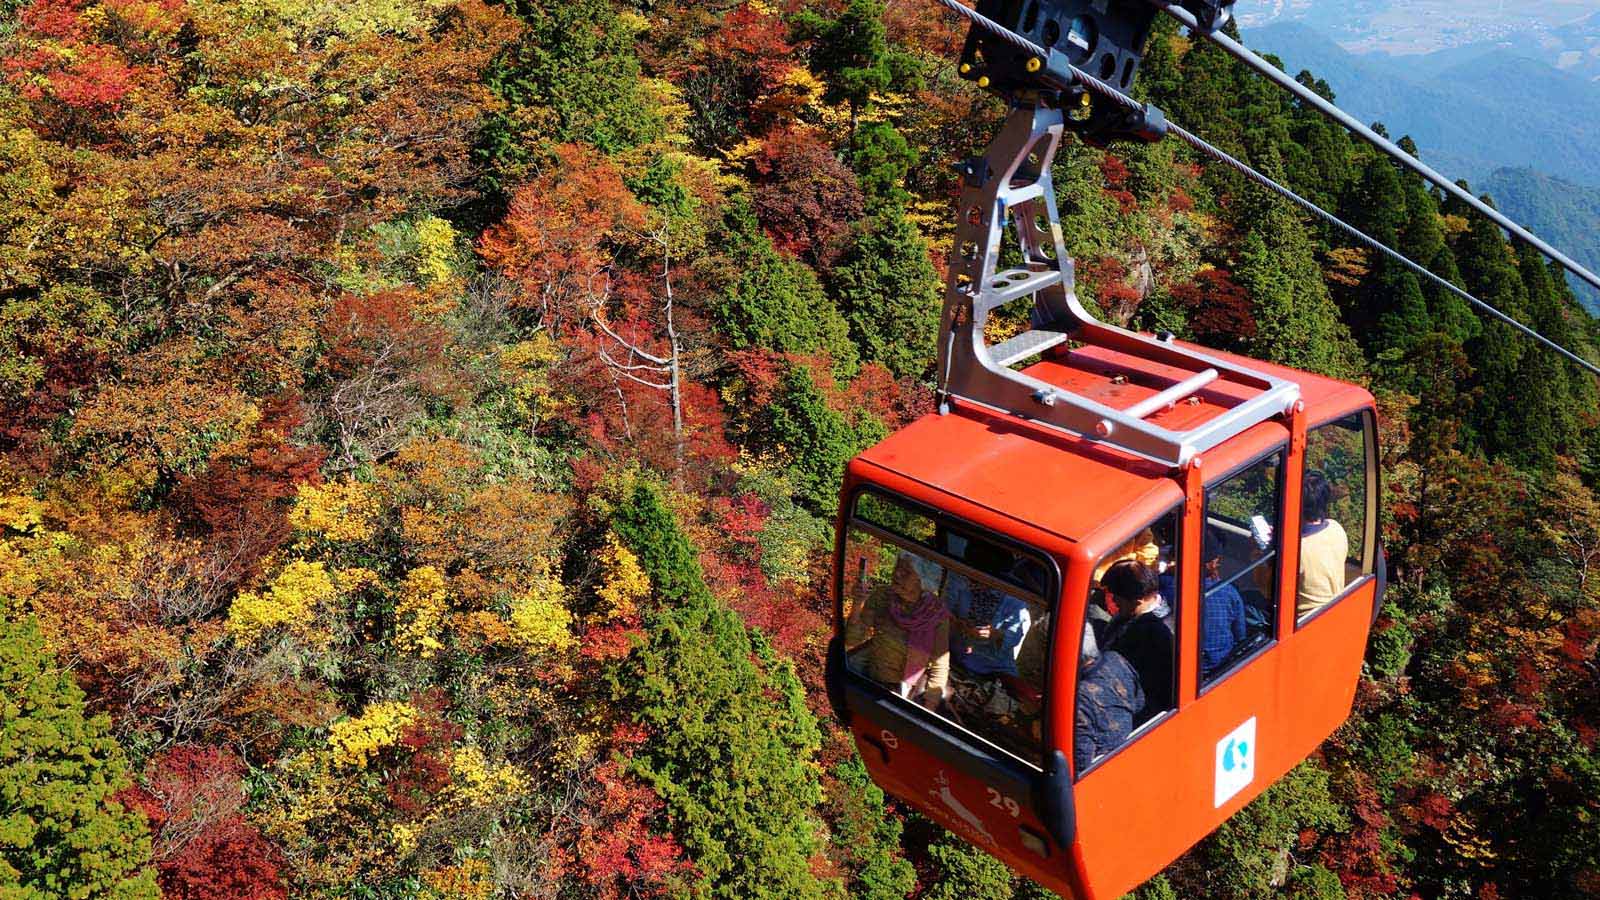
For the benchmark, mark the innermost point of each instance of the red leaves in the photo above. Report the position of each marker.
(1220, 308)
(57, 62)
(554, 241)
(1116, 176)
(1108, 276)
(205, 850)
(618, 852)
(805, 197)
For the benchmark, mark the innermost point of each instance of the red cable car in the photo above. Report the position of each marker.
(1070, 625)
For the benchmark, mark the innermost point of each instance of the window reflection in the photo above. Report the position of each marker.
(972, 646)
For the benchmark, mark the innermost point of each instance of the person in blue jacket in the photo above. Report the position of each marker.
(1222, 611)
(1109, 699)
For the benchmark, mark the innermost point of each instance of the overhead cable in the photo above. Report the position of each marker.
(1248, 57)
(1105, 90)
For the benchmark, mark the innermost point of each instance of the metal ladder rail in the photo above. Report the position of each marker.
(1012, 180)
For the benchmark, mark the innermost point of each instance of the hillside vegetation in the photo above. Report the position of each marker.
(1565, 214)
(1536, 115)
(421, 423)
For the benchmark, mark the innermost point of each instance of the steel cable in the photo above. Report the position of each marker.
(1110, 93)
(1248, 57)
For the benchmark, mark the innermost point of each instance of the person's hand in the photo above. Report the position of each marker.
(983, 632)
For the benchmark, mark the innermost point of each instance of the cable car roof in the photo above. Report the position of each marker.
(1079, 490)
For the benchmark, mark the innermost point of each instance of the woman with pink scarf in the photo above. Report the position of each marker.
(906, 632)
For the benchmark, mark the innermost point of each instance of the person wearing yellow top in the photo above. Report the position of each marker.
(1323, 548)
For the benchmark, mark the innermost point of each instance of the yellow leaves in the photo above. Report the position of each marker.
(540, 622)
(1463, 836)
(1348, 265)
(1454, 225)
(355, 741)
(667, 100)
(293, 600)
(526, 368)
(471, 879)
(358, 19)
(339, 511)
(623, 582)
(20, 513)
(475, 782)
(419, 611)
(436, 249)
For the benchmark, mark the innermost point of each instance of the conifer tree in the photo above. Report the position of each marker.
(1297, 322)
(868, 836)
(776, 302)
(853, 55)
(61, 832)
(963, 872)
(732, 739)
(888, 290)
(1391, 310)
(1543, 403)
(1422, 239)
(881, 158)
(1490, 274)
(574, 77)
(818, 440)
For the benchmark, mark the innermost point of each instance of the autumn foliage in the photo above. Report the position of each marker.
(421, 426)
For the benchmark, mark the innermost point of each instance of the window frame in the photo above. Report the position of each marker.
(1176, 511)
(1281, 449)
(1369, 528)
(1052, 589)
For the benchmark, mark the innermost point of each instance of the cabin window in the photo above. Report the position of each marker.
(1238, 566)
(1128, 658)
(948, 619)
(1337, 535)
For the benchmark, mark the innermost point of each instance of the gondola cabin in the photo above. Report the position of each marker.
(1115, 587)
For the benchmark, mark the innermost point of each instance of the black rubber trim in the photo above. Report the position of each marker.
(1383, 586)
(833, 678)
(1054, 801)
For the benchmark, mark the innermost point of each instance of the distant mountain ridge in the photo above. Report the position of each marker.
(1471, 110)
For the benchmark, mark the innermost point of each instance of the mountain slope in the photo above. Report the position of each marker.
(1487, 110)
(1566, 214)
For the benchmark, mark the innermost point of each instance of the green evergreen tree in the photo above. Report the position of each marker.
(61, 833)
(963, 872)
(776, 302)
(573, 76)
(868, 836)
(1244, 855)
(1422, 239)
(732, 740)
(1296, 320)
(888, 290)
(852, 54)
(1391, 306)
(1543, 403)
(818, 440)
(882, 158)
(1490, 274)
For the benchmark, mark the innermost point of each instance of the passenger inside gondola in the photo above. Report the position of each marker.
(1224, 620)
(1324, 546)
(988, 626)
(1143, 631)
(900, 635)
(1110, 700)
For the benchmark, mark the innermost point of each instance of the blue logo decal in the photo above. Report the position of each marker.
(1228, 763)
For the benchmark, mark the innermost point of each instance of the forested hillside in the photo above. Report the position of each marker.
(1566, 214)
(421, 421)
